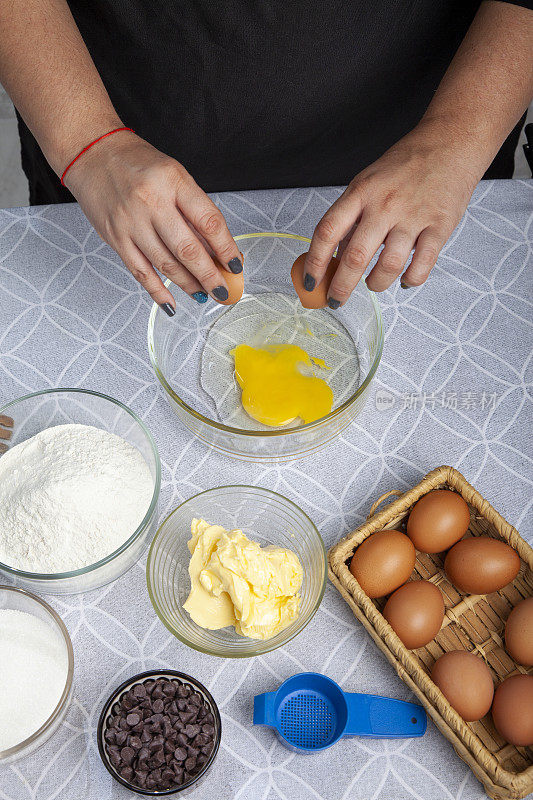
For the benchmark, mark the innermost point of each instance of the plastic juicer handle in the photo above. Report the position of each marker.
(383, 718)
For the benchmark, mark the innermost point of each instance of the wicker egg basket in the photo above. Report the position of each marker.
(472, 622)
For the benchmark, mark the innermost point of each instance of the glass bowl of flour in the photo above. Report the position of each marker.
(36, 673)
(79, 485)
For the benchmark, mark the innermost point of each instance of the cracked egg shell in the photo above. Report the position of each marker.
(318, 297)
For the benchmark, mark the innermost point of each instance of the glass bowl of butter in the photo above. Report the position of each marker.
(210, 358)
(236, 571)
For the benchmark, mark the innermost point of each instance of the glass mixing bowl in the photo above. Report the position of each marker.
(264, 516)
(190, 353)
(19, 600)
(35, 412)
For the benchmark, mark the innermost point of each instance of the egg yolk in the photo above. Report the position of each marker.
(274, 389)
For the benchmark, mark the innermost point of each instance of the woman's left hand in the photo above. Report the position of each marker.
(410, 198)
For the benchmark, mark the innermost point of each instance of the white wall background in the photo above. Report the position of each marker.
(13, 184)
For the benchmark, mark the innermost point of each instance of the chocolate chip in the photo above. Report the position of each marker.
(133, 719)
(180, 754)
(140, 777)
(200, 740)
(144, 754)
(158, 706)
(146, 736)
(192, 730)
(135, 742)
(207, 749)
(127, 754)
(110, 735)
(186, 716)
(139, 690)
(196, 699)
(182, 739)
(201, 760)
(169, 689)
(157, 693)
(210, 718)
(184, 690)
(150, 783)
(208, 729)
(190, 763)
(156, 743)
(126, 773)
(158, 758)
(128, 702)
(121, 737)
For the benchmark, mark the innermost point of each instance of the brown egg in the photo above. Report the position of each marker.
(519, 632)
(512, 710)
(480, 565)
(415, 611)
(318, 297)
(439, 519)
(466, 683)
(383, 562)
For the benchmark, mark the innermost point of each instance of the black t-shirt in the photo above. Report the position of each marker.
(256, 94)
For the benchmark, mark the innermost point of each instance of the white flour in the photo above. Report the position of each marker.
(33, 673)
(69, 496)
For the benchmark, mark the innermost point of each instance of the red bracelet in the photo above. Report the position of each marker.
(115, 130)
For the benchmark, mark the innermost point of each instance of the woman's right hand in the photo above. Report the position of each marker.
(154, 215)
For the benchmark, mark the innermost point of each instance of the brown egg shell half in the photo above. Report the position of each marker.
(383, 562)
(235, 284)
(466, 682)
(481, 565)
(318, 297)
(415, 612)
(438, 520)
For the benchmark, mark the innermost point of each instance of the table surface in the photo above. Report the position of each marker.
(452, 388)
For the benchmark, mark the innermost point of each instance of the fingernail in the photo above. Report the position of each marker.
(333, 304)
(405, 285)
(235, 265)
(221, 293)
(309, 282)
(200, 297)
(168, 309)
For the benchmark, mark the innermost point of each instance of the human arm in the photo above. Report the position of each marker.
(415, 194)
(143, 203)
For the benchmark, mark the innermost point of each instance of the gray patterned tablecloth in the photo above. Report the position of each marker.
(453, 388)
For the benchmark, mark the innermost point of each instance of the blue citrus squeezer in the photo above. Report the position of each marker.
(310, 712)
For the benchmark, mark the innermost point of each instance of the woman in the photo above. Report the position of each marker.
(407, 103)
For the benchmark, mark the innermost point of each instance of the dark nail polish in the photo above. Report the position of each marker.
(221, 293)
(405, 285)
(168, 309)
(333, 304)
(309, 282)
(200, 297)
(235, 265)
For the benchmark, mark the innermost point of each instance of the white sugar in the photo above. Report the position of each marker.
(33, 673)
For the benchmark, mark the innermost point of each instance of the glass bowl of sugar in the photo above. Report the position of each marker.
(79, 484)
(36, 672)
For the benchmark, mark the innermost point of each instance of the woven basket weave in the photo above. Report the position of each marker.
(472, 622)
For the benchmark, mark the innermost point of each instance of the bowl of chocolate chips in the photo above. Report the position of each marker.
(159, 733)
